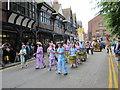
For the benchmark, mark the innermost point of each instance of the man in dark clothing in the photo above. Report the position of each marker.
(28, 51)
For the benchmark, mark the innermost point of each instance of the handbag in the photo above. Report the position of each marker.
(56, 58)
(6, 58)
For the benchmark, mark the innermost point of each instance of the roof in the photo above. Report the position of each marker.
(66, 13)
(49, 2)
(56, 6)
(74, 18)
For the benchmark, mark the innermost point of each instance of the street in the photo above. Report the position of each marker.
(93, 73)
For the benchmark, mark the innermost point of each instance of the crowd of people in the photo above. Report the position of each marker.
(10, 54)
(59, 54)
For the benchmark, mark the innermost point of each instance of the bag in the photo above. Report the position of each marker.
(28, 48)
(6, 58)
(116, 51)
(56, 58)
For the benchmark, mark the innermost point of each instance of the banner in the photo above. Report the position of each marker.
(81, 34)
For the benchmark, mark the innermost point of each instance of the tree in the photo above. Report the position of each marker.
(111, 14)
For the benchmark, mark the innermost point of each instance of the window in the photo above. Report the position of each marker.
(25, 8)
(45, 17)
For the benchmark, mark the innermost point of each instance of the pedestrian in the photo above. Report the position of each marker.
(61, 59)
(108, 44)
(87, 46)
(117, 49)
(52, 57)
(72, 52)
(32, 49)
(22, 56)
(39, 56)
(92, 47)
(6, 52)
(17, 57)
(28, 49)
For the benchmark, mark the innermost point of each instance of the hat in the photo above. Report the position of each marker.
(59, 42)
(51, 44)
(39, 43)
(23, 46)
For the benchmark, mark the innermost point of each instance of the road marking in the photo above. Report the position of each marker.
(110, 72)
(118, 65)
(114, 73)
(17, 65)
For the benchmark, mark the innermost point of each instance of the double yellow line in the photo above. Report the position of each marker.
(112, 73)
(18, 65)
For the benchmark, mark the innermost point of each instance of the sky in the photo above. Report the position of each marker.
(83, 9)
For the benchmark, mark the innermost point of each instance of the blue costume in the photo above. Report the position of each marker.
(73, 51)
(61, 60)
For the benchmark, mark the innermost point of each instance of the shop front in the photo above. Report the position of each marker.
(58, 37)
(44, 36)
(9, 40)
(28, 36)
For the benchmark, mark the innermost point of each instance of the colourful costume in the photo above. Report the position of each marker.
(39, 57)
(22, 57)
(61, 60)
(52, 58)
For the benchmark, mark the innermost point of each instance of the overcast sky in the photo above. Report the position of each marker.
(82, 8)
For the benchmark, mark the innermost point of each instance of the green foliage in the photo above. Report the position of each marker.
(111, 14)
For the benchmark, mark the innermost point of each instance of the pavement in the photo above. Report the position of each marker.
(17, 63)
(94, 73)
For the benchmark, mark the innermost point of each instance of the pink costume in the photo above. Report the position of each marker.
(39, 57)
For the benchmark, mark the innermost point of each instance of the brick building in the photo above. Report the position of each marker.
(96, 28)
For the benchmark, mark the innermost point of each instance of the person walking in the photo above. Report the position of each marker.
(108, 44)
(39, 56)
(78, 51)
(72, 52)
(22, 56)
(92, 47)
(67, 49)
(52, 57)
(32, 49)
(117, 49)
(61, 59)
(28, 49)
(87, 46)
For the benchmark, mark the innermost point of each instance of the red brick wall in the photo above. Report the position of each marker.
(94, 26)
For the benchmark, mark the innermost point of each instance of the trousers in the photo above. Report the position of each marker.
(52, 61)
(62, 64)
(39, 60)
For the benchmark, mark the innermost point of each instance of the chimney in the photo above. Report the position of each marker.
(55, 2)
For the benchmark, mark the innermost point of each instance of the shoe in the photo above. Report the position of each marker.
(37, 68)
(55, 69)
(59, 73)
(49, 70)
(65, 74)
(44, 67)
(72, 66)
